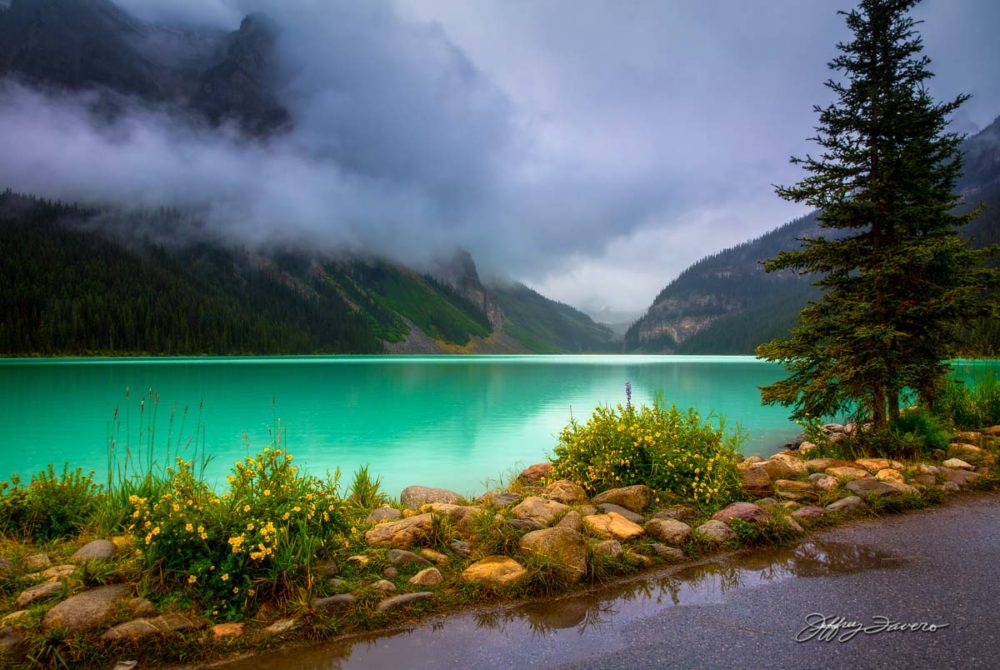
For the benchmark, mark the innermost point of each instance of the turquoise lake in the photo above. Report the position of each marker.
(452, 421)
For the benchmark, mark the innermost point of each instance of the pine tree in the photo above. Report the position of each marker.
(897, 279)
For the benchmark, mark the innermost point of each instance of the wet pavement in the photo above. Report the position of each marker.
(774, 608)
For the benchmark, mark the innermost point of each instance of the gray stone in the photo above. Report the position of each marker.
(383, 585)
(741, 510)
(846, 505)
(848, 472)
(950, 487)
(427, 577)
(98, 550)
(280, 626)
(958, 464)
(611, 548)
(870, 488)
(961, 478)
(667, 553)
(326, 568)
(5, 566)
(633, 498)
(810, 512)
(538, 509)
(126, 665)
(678, 512)
(925, 480)
(504, 499)
(672, 532)
(415, 496)
(85, 610)
(715, 531)
(628, 514)
(36, 562)
(40, 592)
(404, 599)
(461, 548)
(523, 524)
(336, 583)
(573, 520)
(168, 623)
(385, 513)
(565, 491)
(333, 602)
(403, 533)
(10, 639)
(390, 573)
(562, 546)
(402, 558)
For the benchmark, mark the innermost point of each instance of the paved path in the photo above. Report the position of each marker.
(939, 566)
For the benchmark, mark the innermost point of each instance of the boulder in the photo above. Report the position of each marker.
(924, 480)
(415, 496)
(538, 509)
(525, 525)
(573, 520)
(565, 491)
(755, 480)
(612, 526)
(336, 602)
(10, 639)
(805, 447)
(462, 517)
(873, 465)
(889, 475)
(715, 531)
(501, 499)
(825, 482)
(846, 505)
(961, 478)
(950, 487)
(401, 534)
(427, 577)
(668, 553)
(633, 498)
(784, 466)
(88, 609)
(604, 508)
(563, 546)
(848, 473)
(610, 548)
(967, 452)
(822, 464)
(810, 512)
(500, 570)
(168, 623)
(380, 514)
(404, 599)
(461, 548)
(957, 464)
(533, 473)
(98, 550)
(402, 558)
(37, 593)
(870, 488)
(678, 512)
(968, 436)
(670, 531)
(745, 511)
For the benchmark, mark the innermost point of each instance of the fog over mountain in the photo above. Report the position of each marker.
(588, 149)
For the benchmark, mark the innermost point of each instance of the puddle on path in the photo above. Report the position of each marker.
(587, 617)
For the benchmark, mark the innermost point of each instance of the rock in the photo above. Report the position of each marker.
(612, 526)
(767, 502)
(18, 618)
(36, 562)
(401, 534)
(809, 512)
(390, 573)
(562, 546)
(503, 499)
(85, 610)
(415, 496)
(961, 478)
(435, 556)
(98, 550)
(326, 568)
(794, 490)
(522, 524)
(848, 473)
(126, 665)
(967, 452)
(670, 531)
(383, 585)
(667, 553)
(461, 548)
(533, 473)
(617, 509)
(822, 464)
(427, 577)
(336, 602)
(586, 510)
(992, 430)
(403, 558)
(678, 512)
(870, 488)
(925, 480)
(226, 630)
(925, 469)
(58, 572)
(783, 466)
(741, 510)
(950, 487)
(40, 592)
(832, 428)
(500, 570)
(642, 560)
(902, 488)
(404, 599)
(790, 505)
(805, 447)
(336, 583)
(359, 561)
(384, 513)
(565, 491)
(750, 460)
(957, 464)
(968, 436)
(280, 626)
(715, 531)
(538, 509)
(610, 548)
(873, 465)
(10, 639)
(633, 498)
(168, 623)
(794, 525)
(6, 566)
(846, 505)
(573, 521)
(139, 607)
(755, 479)
(889, 475)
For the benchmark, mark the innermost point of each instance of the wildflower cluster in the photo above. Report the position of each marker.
(671, 451)
(266, 527)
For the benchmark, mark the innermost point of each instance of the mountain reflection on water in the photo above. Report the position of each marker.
(582, 615)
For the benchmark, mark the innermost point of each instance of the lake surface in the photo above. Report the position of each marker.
(452, 421)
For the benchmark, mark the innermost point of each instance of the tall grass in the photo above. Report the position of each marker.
(973, 405)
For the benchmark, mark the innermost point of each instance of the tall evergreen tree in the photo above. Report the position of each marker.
(897, 280)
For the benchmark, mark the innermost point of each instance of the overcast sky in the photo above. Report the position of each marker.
(590, 149)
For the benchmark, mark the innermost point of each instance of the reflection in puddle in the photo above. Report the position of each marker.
(582, 615)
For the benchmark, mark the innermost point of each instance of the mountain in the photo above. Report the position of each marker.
(726, 303)
(77, 280)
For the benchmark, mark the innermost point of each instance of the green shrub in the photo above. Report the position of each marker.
(971, 406)
(922, 430)
(668, 450)
(51, 506)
